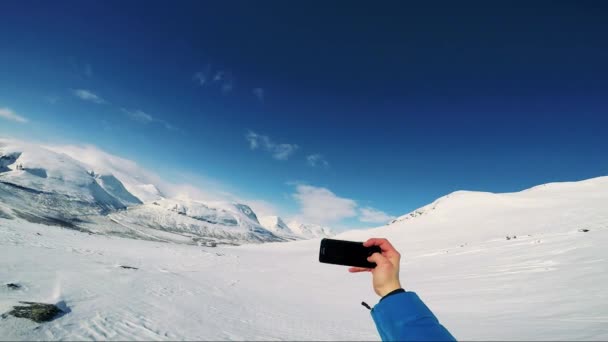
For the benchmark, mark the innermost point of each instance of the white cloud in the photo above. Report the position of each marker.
(263, 142)
(262, 208)
(88, 95)
(138, 115)
(321, 206)
(283, 151)
(259, 94)
(6, 113)
(145, 118)
(317, 159)
(371, 215)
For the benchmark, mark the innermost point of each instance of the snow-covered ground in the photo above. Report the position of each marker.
(548, 283)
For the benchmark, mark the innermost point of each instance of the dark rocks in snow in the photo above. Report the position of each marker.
(13, 286)
(37, 312)
(49, 221)
(583, 230)
(128, 267)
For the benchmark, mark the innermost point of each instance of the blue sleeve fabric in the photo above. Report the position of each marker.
(404, 317)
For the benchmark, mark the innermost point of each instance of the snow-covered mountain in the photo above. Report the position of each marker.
(43, 185)
(275, 224)
(295, 229)
(36, 180)
(467, 216)
(202, 222)
(137, 181)
(309, 230)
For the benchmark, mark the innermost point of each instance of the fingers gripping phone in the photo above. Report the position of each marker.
(347, 253)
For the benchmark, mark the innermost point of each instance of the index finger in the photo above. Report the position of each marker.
(384, 245)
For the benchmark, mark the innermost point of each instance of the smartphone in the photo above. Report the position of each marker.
(347, 253)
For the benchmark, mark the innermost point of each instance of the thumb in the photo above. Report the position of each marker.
(378, 258)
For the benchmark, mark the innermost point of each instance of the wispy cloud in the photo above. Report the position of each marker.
(371, 215)
(88, 70)
(263, 142)
(88, 95)
(6, 113)
(317, 160)
(259, 94)
(145, 118)
(219, 76)
(227, 87)
(321, 206)
(204, 76)
(51, 99)
(208, 77)
(138, 115)
(227, 82)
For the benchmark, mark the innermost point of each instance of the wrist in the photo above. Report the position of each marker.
(389, 288)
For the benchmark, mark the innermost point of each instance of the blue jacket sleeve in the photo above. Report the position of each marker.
(404, 317)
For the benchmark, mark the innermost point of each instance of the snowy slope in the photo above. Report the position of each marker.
(216, 222)
(309, 230)
(276, 225)
(137, 181)
(116, 189)
(466, 216)
(34, 179)
(548, 283)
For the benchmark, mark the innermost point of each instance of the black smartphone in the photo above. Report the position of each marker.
(347, 253)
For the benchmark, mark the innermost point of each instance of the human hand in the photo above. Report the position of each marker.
(386, 273)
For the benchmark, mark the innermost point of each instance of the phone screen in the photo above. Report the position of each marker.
(347, 253)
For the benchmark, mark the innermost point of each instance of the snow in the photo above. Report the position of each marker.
(219, 222)
(276, 225)
(54, 174)
(137, 181)
(115, 188)
(309, 230)
(547, 283)
(45, 185)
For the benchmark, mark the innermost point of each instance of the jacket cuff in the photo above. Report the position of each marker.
(392, 293)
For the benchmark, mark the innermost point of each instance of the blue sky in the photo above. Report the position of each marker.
(342, 113)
